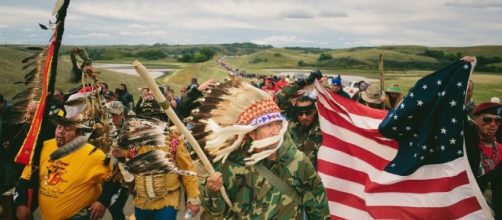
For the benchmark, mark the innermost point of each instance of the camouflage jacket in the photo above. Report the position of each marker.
(308, 140)
(253, 197)
(284, 98)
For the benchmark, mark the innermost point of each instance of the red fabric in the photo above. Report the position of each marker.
(30, 198)
(281, 83)
(352, 162)
(488, 152)
(25, 154)
(85, 89)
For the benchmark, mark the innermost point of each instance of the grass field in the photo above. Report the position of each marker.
(10, 60)
(264, 61)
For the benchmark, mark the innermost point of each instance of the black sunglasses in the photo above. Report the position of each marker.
(300, 113)
(489, 120)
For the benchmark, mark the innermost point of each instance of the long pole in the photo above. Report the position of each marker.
(161, 99)
(38, 131)
(380, 70)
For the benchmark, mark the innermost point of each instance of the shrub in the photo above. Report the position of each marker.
(325, 56)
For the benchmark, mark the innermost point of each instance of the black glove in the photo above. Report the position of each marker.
(313, 75)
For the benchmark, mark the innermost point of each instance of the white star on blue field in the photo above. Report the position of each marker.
(435, 132)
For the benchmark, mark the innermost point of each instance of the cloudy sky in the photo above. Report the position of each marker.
(307, 23)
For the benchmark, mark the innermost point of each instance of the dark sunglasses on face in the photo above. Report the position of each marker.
(489, 120)
(309, 112)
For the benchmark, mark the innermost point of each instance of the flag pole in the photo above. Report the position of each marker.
(380, 70)
(470, 175)
(32, 144)
(161, 99)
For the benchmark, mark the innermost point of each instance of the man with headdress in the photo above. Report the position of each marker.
(159, 166)
(69, 176)
(263, 172)
(485, 152)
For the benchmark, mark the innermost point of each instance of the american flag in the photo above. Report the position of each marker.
(402, 164)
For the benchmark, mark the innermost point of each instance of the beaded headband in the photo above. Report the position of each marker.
(260, 113)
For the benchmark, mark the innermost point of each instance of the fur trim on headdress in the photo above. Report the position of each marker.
(228, 113)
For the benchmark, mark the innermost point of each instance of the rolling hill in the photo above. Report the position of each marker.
(10, 60)
(403, 64)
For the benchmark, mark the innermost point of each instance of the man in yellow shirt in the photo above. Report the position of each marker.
(69, 184)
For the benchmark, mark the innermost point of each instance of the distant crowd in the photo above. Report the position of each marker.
(297, 104)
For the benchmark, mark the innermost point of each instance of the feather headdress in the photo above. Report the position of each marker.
(154, 162)
(46, 70)
(228, 113)
(139, 132)
(32, 80)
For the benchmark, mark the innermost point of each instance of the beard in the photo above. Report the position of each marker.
(305, 122)
(487, 135)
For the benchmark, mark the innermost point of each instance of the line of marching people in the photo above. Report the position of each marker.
(73, 177)
(263, 147)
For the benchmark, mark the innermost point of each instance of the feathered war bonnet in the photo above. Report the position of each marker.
(228, 113)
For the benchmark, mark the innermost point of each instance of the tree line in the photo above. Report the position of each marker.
(326, 60)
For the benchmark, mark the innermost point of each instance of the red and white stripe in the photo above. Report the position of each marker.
(351, 163)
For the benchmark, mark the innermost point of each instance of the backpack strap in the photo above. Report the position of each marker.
(278, 183)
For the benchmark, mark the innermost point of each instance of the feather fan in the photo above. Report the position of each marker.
(69, 148)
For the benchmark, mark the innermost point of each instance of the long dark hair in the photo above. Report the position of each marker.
(125, 87)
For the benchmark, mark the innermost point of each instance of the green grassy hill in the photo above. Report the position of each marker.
(11, 71)
(403, 64)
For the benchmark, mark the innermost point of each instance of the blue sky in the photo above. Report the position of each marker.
(312, 23)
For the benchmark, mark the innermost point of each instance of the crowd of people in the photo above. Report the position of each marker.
(263, 138)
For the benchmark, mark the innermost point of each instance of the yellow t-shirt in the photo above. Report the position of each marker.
(71, 183)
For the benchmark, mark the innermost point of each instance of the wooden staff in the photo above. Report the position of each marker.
(161, 99)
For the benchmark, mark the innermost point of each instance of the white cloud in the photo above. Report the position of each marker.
(139, 26)
(474, 4)
(297, 13)
(90, 36)
(17, 16)
(143, 33)
(333, 14)
(280, 22)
